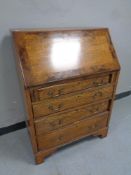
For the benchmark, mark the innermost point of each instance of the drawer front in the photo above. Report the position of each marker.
(59, 120)
(85, 97)
(73, 132)
(58, 90)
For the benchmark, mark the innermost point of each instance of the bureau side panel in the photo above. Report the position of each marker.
(30, 122)
(26, 98)
(115, 82)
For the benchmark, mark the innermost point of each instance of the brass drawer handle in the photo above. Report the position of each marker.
(92, 127)
(97, 94)
(60, 121)
(52, 94)
(56, 124)
(94, 110)
(60, 138)
(98, 83)
(52, 108)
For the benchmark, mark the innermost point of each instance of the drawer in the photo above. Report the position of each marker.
(61, 89)
(73, 132)
(56, 121)
(46, 107)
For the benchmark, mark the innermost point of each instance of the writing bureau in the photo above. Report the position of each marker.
(69, 79)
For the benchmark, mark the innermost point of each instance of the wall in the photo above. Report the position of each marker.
(115, 14)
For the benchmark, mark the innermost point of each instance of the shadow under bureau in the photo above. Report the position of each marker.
(69, 79)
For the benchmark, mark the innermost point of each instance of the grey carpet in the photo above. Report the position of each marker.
(91, 156)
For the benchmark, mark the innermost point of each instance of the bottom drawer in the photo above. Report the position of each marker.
(73, 132)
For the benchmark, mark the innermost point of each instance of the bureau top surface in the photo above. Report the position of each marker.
(51, 55)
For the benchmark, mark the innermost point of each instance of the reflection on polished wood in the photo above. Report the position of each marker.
(64, 54)
(69, 79)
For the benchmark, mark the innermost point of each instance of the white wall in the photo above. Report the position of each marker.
(115, 14)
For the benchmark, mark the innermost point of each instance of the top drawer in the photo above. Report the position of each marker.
(61, 89)
(51, 106)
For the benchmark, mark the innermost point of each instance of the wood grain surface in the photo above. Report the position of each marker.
(69, 79)
(46, 107)
(48, 56)
(72, 132)
(59, 120)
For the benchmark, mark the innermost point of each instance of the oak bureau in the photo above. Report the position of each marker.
(69, 78)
